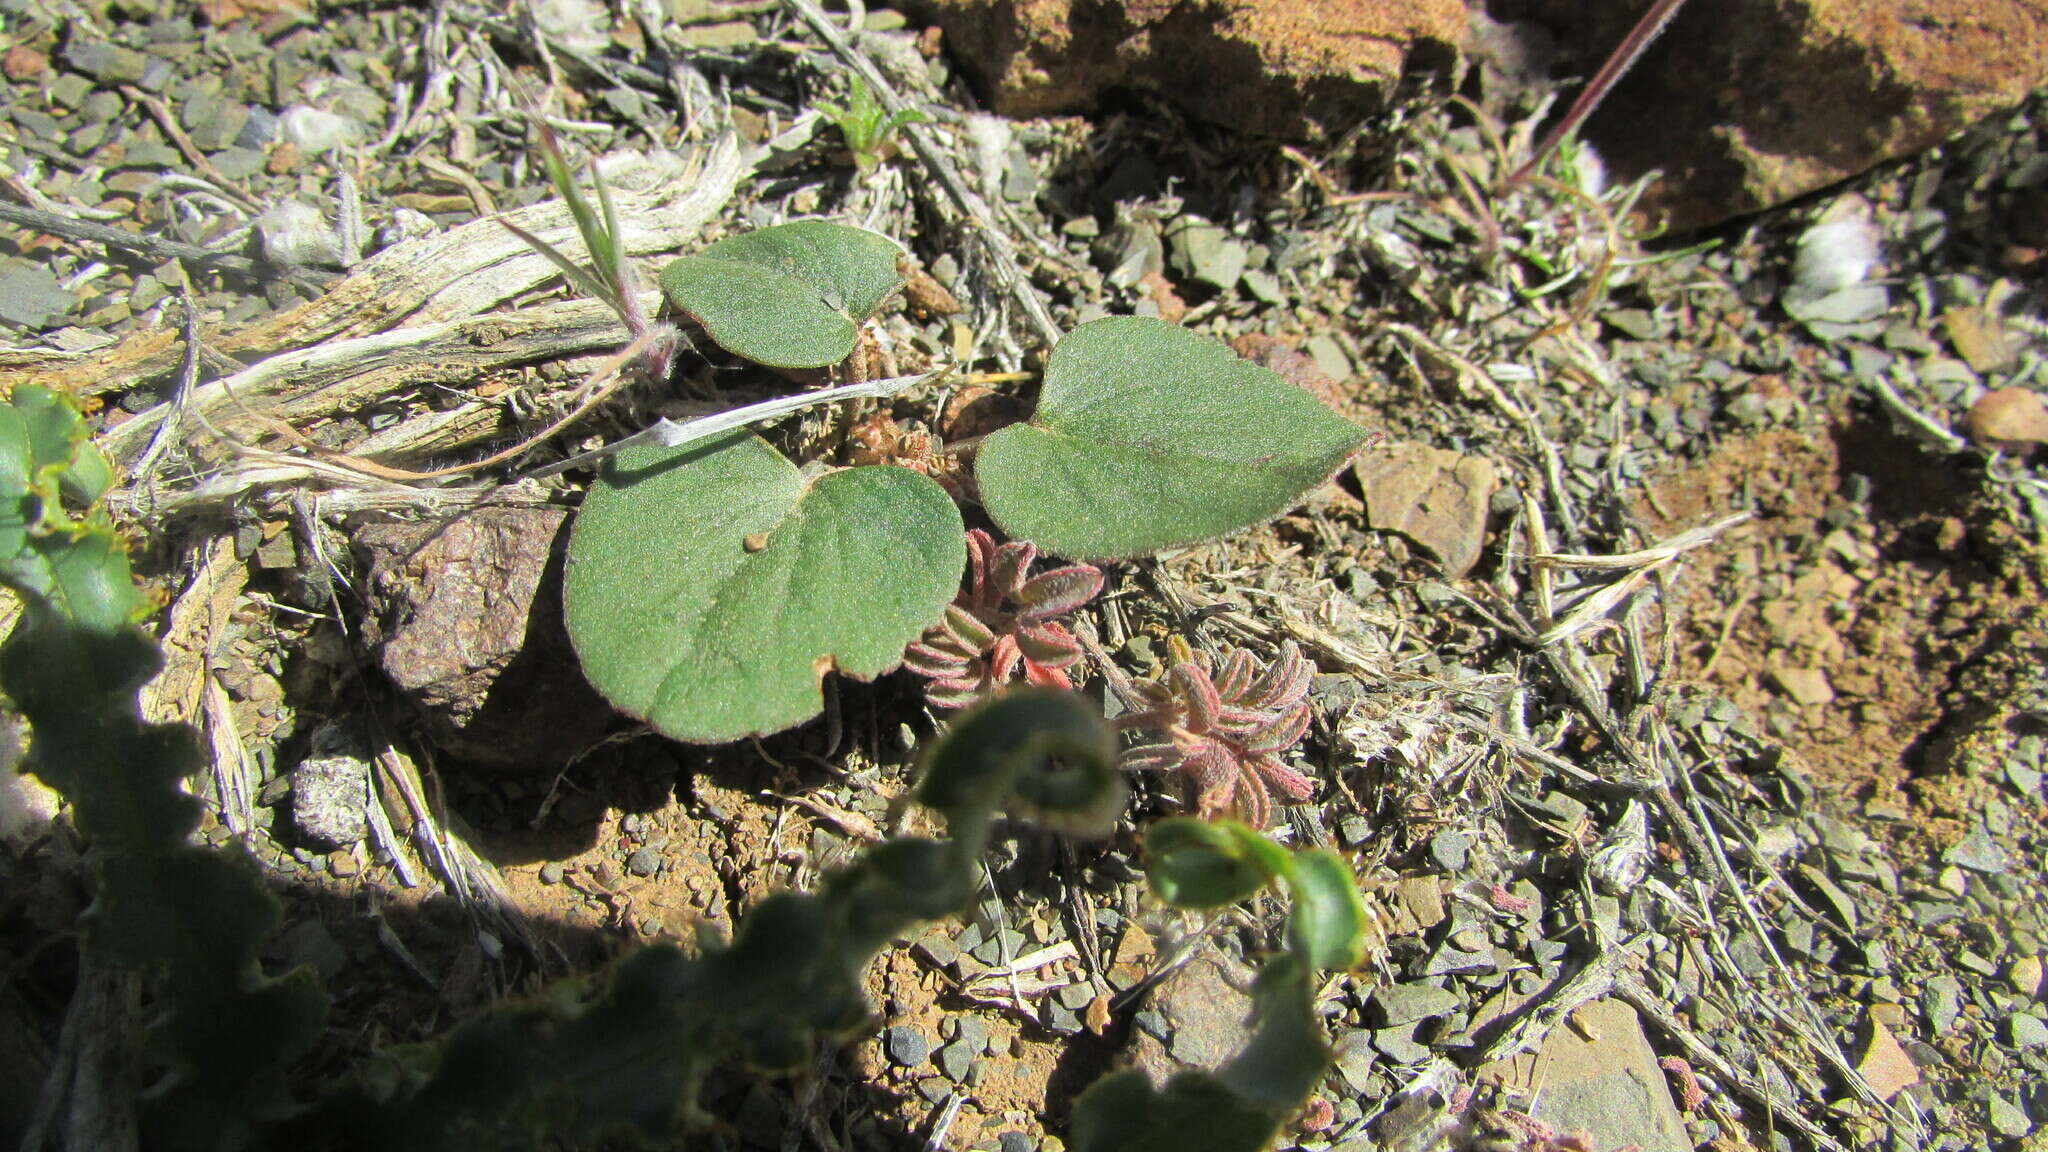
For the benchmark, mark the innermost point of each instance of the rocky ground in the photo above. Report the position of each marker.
(1680, 694)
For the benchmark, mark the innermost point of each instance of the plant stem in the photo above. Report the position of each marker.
(670, 434)
(1623, 58)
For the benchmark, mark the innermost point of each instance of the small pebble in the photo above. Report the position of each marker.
(2026, 1031)
(906, 1045)
(1449, 850)
(2025, 976)
(551, 872)
(643, 862)
(1014, 1141)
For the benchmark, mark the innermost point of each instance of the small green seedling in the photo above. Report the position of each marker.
(609, 277)
(711, 585)
(868, 128)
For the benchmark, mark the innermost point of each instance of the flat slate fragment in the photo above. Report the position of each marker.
(1433, 496)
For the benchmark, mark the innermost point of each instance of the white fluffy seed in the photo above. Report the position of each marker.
(295, 235)
(1839, 250)
(314, 131)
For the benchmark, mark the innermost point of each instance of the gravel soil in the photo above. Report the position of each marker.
(1679, 643)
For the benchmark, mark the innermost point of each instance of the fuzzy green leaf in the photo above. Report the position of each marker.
(710, 587)
(1286, 1055)
(1195, 1112)
(1327, 926)
(1193, 863)
(790, 296)
(1148, 436)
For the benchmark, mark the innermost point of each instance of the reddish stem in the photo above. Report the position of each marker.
(1618, 63)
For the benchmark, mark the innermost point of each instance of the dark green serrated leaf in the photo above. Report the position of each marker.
(1327, 925)
(1192, 863)
(222, 1034)
(710, 587)
(790, 296)
(53, 543)
(1148, 436)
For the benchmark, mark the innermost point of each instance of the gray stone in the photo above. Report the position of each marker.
(1205, 253)
(1201, 1017)
(1061, 1019)
(643, 862)
(1404, 1003)
(971, 1031)
(957, 1060)
(1449, 849)
(238, 163)
(30, 295)
(552, 872)
(1610, 1085)
(992, 950)
(906, 1045)
(1449, 958)
(1017, 1142)
(1979, 853)
(936, 949)
(259, 129)
(934, 1089)
(213, 123)
(2007, 1118)
(2024, 1031)
(110, 64)
(70, 91)
(1940, 1002)
(1839, 902)
(1399, 1044)
(308, 942)
(1355, 1060)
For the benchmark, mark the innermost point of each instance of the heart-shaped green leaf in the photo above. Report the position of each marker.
(710, 587)
(1148, 436)
(790, 296)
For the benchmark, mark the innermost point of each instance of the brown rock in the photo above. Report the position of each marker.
(1205, 1007)
(467, 621)
(1808, 687)
(1433, 496)
(1290, 68)
(1297, 367)
(1883, 1062)
(1744, 104)
(2010, 420)
(23, 63)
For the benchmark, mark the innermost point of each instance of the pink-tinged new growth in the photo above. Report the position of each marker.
(1226, 729)
(1001, 625)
